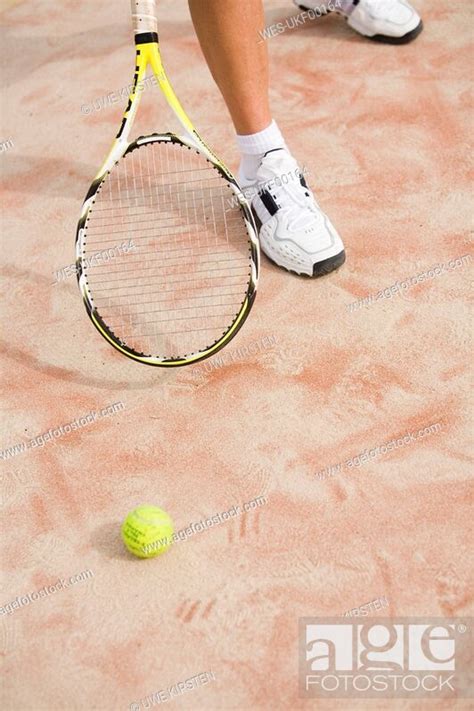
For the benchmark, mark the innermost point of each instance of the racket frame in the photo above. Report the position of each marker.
(148, 54)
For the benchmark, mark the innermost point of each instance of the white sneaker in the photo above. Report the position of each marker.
(293, 231)
(390, 21)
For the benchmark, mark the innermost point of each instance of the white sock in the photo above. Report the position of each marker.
(253, 147)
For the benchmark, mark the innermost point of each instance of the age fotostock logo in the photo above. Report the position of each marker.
(385, 658)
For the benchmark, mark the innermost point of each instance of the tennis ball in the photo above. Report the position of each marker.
(147, 531)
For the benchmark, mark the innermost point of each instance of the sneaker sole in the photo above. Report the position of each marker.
(320, 269)
(409, 37)
(386, 39)
(329, 265)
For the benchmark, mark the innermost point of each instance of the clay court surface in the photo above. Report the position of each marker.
(296, 413)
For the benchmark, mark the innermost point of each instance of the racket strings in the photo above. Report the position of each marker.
(182, 283)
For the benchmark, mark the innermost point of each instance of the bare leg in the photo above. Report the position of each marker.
(228, 31)
(293, 231)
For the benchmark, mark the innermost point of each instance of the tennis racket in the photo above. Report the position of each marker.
(187, 283)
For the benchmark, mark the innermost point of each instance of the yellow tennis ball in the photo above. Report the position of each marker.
(147, 531)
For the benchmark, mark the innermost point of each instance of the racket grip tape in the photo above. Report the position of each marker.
(144, 16)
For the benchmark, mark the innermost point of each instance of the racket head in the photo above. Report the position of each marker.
(182, 262)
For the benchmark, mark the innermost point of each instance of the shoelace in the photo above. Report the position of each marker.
(294, 189)
(297, 198)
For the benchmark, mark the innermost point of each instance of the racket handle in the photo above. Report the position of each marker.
(144, 16)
